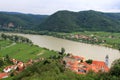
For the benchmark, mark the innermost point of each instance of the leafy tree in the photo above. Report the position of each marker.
(1, 62)
(4, 36)
(7, 57)
(62, 51)
(115, 69)
(89, 61)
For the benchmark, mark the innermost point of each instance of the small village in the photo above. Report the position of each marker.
(76, 64)
(80, 66)
(17, 67)
(83, 38)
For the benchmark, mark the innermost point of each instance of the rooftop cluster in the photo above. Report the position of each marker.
(81, 66)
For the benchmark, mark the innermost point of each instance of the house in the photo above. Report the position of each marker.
(20, 66)
(79, 58)
(30, 62)
(77, 36)
(72, 58)
(14, 61)
(3, 75)
(9, 68)
(11, 24)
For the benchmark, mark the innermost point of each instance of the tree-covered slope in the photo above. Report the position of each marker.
(61, 21)
(20, 20)
(67, 21)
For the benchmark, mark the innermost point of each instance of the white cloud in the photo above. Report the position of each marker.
(51, 6)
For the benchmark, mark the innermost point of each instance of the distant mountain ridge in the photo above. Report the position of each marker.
(62, 21)
(67, 21)
(16, 20)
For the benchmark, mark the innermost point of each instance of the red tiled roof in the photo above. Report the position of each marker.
(98, 65)
(101, 63)
(3, 75)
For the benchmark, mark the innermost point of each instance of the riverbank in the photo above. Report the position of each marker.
(89, 51)
(107, 39)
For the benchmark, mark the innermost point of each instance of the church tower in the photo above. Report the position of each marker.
(107, 60)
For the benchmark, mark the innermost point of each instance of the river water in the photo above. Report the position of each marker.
(81, 49)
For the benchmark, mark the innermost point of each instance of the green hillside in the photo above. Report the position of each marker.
(21, 49)
(67, 21)
(61, 21)
(12, 20)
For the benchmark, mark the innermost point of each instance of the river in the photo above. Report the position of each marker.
(88, 51)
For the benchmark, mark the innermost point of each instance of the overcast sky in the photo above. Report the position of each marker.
(51, 6)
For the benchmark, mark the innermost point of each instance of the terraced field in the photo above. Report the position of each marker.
(23, 51)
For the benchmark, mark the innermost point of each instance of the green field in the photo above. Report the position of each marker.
(4, 43)
(111, 39)
(24, 51)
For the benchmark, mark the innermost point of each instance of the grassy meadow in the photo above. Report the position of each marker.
(4, 43)
(24, 51)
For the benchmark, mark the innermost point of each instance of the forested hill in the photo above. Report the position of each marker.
(61, 21)
(15, 20)
(67, 21)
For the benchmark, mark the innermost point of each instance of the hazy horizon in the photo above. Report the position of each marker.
(45, 7)
(54, 12)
